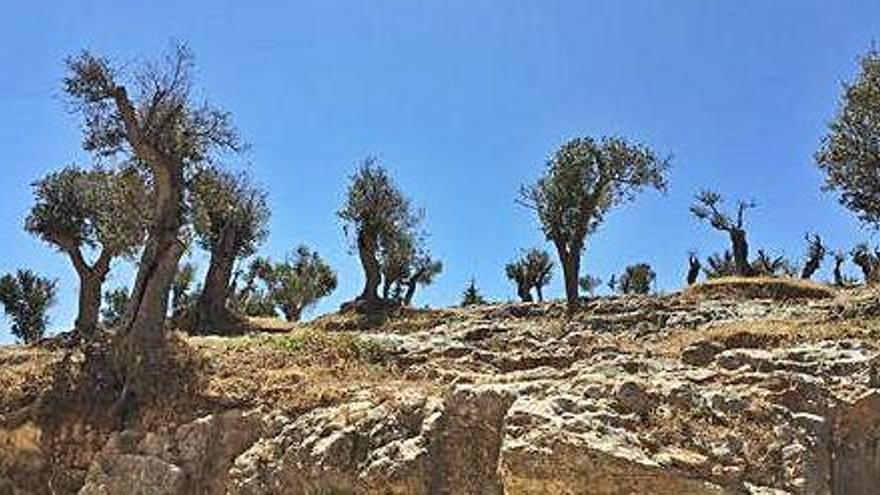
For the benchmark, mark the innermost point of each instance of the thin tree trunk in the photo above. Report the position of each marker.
(540, 292)
(372, 269)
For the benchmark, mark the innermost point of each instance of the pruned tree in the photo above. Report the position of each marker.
(694, 267)
(532, 270)
(254, 299)
(589, 283)
(230, 219)
(707, 207)
(518, 273)
(868, 260)
(471, 295)
(840, 279)
(26, 297)
(99, 211)
(299, 282)
(115, 306)
(850, 153)
(376, 215)
(422, 272)
(541, 270)
(583, 180)
(637, 279)
(147, 114)
(816, 252)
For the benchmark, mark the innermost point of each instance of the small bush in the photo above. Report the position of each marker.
(330, 347)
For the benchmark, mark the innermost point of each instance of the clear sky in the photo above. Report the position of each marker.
(464, 101)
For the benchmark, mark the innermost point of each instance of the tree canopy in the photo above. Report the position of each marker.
(583, 180)
(26, 297)
(850, 153)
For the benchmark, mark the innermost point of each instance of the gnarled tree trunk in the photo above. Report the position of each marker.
(372, 270)
(740, 252)
(212, 315)
(91, 279)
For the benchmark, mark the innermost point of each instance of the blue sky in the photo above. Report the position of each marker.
(463, 101)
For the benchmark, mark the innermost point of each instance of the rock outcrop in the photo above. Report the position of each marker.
(636, 395)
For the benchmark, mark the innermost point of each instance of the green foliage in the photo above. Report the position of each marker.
(178, 128)
(720, 265)
(850, 152)
(300, 281)
(589, 284)
(292, 286)
(228, 204)
(115, 306)
(765, 265)
(97, 208)
(471, 295)
(336, 345)
(584, 179)
(375, 207)
(26, 297)
(637, 279)
(182, 295)
(405, 264)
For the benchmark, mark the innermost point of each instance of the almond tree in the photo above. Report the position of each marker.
(707, 207)
(230, 218)
(583, 180)
(147, 113)
(83, 211)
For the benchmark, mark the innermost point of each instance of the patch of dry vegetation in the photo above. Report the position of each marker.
(776, 288)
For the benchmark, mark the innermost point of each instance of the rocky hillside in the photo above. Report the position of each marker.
(763, 388)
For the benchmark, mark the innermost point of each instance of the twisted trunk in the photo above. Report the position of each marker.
(372, 270)
(212, 315)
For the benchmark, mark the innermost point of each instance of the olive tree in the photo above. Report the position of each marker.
(147, 113)
(532, 270)
(583, 180)
(589, 283)
(98, 211)
(230, 218)
(299, 282)
(26, 297)
(850, 153)
(816, 252)
(707, 207)
(376, 215)
(637, 279)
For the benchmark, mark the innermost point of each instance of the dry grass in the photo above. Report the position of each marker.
(779, 289)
